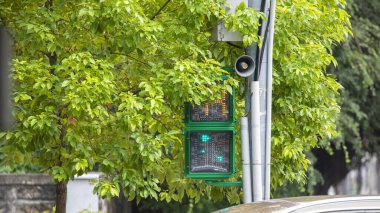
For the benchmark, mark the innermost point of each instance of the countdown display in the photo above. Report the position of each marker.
(216, 110)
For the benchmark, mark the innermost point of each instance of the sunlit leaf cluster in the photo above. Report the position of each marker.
(102, 83)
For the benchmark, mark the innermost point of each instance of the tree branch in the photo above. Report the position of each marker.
(158, 12)
(52, 60)
(129, 56)
(48, 4)
(159, 121)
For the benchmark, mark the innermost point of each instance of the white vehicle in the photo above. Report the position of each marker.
(311, 204)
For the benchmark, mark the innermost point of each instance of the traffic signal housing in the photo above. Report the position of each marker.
(209, 152)
(209, 138)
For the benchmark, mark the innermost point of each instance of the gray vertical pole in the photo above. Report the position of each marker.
(247, 188)
(5, 103)
(257, 163)
(252, 51)
(263, 103)
(265, 99)
(269, 101)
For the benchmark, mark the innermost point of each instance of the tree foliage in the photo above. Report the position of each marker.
(305, 96)
(358, 72)
(104, 82)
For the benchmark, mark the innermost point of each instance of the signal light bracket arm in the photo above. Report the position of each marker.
(225, 184)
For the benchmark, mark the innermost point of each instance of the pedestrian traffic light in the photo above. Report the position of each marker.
(209, 138)
(209, 152)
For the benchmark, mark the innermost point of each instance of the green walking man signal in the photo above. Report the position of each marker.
(209, 138)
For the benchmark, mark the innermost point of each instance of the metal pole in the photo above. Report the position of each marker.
(269, 101)
(5, 103)
(256, 143)
(254, 121)
(247, 188)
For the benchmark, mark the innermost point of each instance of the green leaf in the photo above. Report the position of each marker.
(65, 83)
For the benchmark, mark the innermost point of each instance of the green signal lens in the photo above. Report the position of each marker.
(205, 138)
(203, 151)
(219, 158)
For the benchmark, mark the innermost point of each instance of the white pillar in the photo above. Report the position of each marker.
(256, 144)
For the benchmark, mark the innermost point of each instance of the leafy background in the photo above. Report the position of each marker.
(103, 84)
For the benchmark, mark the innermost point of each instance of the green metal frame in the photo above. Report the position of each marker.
(229, 69)
(209, 175)
(211, 126)
(225, 184)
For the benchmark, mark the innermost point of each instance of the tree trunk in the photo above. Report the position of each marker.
(120, 205)
(333, 169)
(61, 197)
